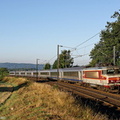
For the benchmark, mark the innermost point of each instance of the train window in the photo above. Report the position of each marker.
(12, 73)
(53, 73)
(75, 74)
(22, 73)
(118, 70)
(104, 71)
(29, 73)
(111, 71)
(44, 73)
(35, 73)
(91, 74)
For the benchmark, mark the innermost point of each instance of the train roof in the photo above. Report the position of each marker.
(74, 69)
(103, 68)
(83, 68)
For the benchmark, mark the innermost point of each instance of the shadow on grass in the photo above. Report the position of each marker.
(99, 107)
(12, 88)
(46, 80)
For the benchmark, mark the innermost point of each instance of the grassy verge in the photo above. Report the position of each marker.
(35, 101)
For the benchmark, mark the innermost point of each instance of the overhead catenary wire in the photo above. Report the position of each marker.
(72, 49)
(87, 40)
(80, 55)
(52, 58)
(77, 47)
(86, 46)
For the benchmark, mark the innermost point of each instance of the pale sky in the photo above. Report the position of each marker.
(31, 29)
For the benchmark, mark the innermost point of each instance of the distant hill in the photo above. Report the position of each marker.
(22, 66)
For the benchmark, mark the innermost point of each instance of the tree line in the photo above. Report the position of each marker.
(65, 61)
(106, 52)
(3, 72)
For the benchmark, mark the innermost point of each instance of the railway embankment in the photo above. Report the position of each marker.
(104, 102)
(7, 87)
(31, 100)
(5, 92)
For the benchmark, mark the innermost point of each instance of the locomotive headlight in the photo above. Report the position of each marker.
(111, 81)
(117, 78)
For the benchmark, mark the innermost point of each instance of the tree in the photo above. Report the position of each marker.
(54, 65)
(47, 66)
(102, 53)
(3, 72)
(65, 60)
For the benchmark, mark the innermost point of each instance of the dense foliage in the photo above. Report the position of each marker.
(3, 72)
(102, 53)
(65, 60)
(47, 66)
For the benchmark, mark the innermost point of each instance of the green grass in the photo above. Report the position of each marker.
(35, 101)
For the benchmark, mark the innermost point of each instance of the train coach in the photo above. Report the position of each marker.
(99, 77)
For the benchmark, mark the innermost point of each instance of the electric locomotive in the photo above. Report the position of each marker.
(102, 77)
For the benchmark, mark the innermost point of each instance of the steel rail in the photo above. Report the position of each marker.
(104, 97)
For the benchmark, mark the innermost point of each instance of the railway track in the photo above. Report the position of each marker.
(95, 94)
(106, 98)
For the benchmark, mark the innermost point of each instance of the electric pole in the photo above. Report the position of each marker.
(114, 55)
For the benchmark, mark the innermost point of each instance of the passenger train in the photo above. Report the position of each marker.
(99, 77)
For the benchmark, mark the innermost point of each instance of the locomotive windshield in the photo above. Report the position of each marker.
(111, 71)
